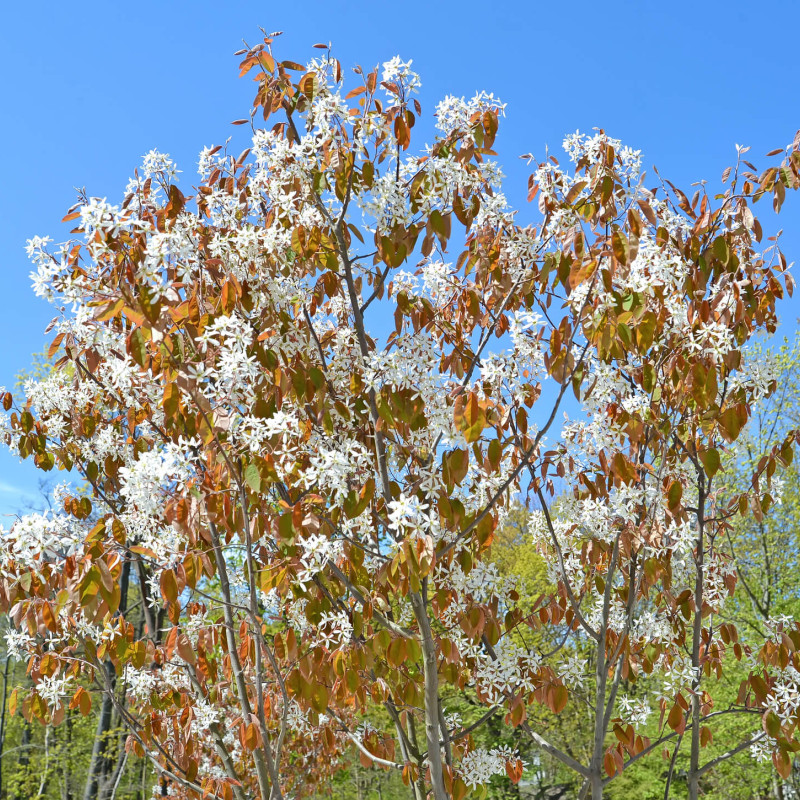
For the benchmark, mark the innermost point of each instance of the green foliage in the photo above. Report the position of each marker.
(51, 763)
(515, 555)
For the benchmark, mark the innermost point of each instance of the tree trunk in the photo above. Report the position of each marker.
(100, 765)
(101, 740)
(67, 772)
(431, 679)
(694, 756)
(601, 682)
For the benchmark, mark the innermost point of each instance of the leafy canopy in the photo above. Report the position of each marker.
(305, 399)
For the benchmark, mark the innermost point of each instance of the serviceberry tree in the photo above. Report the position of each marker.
(303, 401)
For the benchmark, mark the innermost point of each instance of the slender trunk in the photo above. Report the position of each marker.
(420, 790)
(431, 678)
(596, 766)
(67, 794)
(601, 680)
(272, 758)
(148, 613)
(101, 738)
(694, 756)
(416, 794)
(113, 777)
(219, 741)
(448, 750)
(45, 779)
(262, 773)
(671, 770)
(100, 764)
(106, 773)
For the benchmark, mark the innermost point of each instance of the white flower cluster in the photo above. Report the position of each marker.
(332, 464)
(784, 697)
(204, 716)
(159, 165)
(482, 583)
(334, 630)
(36, 537)
(634, 710)
(408, 516)
(513, 669)
(678, 676)
(477, 766)
(761, 750)
(718, 569)
(317, 550)
(455, 114)
(399, 72)
(18, 643)
(97, 215)
(777, 625)
(580, 145)
(508, 375)
(756, 375)
(140, 682)
(53, 688)
(235, 370)
(573, 670)
(155, 472)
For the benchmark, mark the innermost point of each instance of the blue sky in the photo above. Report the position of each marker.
(90, 87)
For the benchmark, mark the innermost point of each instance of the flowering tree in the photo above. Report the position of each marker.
(303, 401)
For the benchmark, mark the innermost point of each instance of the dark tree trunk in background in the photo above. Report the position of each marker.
(101, 765)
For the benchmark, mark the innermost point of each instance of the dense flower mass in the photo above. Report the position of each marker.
(303, 402)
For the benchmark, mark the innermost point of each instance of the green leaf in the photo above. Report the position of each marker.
(252, 477)
(560, 697)
(731, 421)
(286, 526)
(619, 244)
(355, 504)
(90, 585)
(458, 464)
(772, 724)
(759, 687)
(171, 400)
(137, 347)
(470, 418)
(169, 586)
(368, 173)
(645, 331)
(711, 461)
(495, 453)
(721, 250)
(674, 495)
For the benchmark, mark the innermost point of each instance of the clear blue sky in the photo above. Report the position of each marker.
(89, 87)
